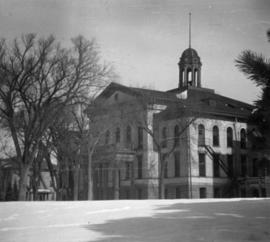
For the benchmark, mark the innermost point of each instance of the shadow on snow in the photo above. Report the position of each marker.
(212, 221)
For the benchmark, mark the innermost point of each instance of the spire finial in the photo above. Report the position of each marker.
(189, 30)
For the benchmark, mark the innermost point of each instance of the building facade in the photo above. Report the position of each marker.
(187, 142)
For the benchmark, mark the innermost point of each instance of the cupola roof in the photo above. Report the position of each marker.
(189, 55)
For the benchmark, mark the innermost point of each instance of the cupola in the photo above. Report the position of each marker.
(189, 66)
(190, 69)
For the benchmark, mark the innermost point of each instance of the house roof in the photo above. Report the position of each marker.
(200, 100)
(159, 97)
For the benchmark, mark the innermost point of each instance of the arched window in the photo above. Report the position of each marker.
(107, 137)
(128, 134)
(229, 137)
(164, 137)
(176, 135)
(196, 77)
(215, 136)
(201, 135)
(243, 139)
(189, 76)
(117, 135)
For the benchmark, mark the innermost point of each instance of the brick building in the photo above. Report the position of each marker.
(190, 141)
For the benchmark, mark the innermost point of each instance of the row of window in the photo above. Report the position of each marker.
(203, 192)
(128, 136)
(216, 165)
(216, 137)
(201, 136)
(102, 170)
(140, 167)
(202, 166)
(180, 193)
(256, 168)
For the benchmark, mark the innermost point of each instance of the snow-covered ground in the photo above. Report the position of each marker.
(129, 220)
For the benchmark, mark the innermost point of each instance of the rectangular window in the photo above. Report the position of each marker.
(202, 192)
(201, 164)
(201, 138)
(230, 165)
(255, 167)
(243, 165)
(127, 170)
(117, 135)
(140, 166)
(216, 165)
(140, 137)
(176, 164)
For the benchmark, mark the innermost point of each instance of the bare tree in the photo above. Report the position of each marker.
(73, 139)
(38, 79)
(61, 142)
(185, 117)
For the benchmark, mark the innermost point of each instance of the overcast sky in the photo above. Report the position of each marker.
(144, 39)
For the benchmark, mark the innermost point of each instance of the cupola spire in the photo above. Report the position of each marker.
(189, 25)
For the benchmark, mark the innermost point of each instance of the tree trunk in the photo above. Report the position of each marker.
(161, 177)
(116, 189)
(161, 187)
(76, 182)
(24, 172)
(54, 178)
(90, 194)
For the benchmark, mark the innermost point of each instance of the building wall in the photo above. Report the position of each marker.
(188, 183)
(209, 181)
(120, 117)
